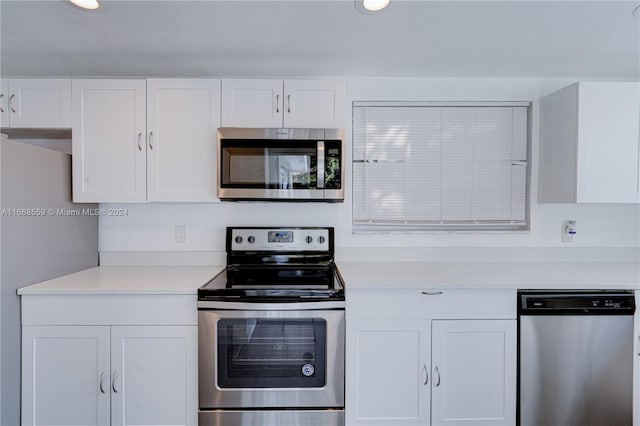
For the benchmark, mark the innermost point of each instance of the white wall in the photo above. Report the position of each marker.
(149, 227)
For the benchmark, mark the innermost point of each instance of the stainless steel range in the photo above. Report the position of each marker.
(271, 331)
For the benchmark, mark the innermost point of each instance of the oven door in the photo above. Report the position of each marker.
(271, 358)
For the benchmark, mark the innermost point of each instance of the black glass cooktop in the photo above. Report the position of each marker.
(282, 283)
(277, 265)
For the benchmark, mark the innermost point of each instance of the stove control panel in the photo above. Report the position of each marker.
(279, 239)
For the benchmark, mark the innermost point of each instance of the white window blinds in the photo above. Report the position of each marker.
(439, 167)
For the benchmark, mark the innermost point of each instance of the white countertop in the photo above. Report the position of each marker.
(127, 280)
(490, 275)
(362, 276)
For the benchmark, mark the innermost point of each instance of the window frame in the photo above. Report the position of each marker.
(446, 226)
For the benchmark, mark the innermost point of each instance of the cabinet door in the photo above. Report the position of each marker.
(43, 103)
(636, 364)
(4, 102)
(109, 150)
(314, 103)
(154, 375)
(386, 372)
(252, 103)
(473, 372)
(65, 375)
(608, 125)
(182, 119)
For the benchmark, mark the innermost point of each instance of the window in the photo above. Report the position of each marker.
(422, 166)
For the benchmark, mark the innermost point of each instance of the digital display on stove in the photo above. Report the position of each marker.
(280, 237)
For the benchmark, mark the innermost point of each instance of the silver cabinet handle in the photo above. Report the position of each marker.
(11, 103)
(102, 383)
(1, 96)
(432, 293)
(113, 381)
(277, 103)
(289, 103)
(426, 374)
(139, 141)
(151, 140)
(437, 383)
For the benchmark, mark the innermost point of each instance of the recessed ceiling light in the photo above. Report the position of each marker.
(374, 5)
(86, 4)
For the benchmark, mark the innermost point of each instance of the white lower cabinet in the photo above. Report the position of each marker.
(388, 367)
(436, 361)
(63, 372)
(109, 360)
(153, 375)
(473, 365)
(101, 375)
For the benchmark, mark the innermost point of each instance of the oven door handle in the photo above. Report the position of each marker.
(248, 306)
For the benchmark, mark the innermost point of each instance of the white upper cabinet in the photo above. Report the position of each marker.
(589, 144)
(137, 140)
(252, 103)
(182, 118)
(288, 103)
(108, 140)
(36, 103)
(314, 103)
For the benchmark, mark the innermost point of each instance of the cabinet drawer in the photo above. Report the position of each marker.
(431, 303)
(109, 310)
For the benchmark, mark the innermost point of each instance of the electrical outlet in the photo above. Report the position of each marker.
(569, 231)
(180, 234)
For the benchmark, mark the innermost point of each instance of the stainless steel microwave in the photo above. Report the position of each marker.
(280, 164)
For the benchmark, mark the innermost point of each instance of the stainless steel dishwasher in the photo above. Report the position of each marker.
(575, 358)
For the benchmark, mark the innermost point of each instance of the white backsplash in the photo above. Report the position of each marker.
(151, 227)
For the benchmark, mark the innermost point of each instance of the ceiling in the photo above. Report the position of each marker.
(307, 38)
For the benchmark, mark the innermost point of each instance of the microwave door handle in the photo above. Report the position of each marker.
(320, 166)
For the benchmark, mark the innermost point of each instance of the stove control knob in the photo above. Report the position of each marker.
(321, 239)
(251, 239)
(309, 239)
(238, 239)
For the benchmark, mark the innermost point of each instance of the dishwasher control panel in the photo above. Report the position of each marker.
(558, 303)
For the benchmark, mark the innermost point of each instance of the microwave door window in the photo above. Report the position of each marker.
(271, 165)
(246, 166)
(292, 168)
(294, 171)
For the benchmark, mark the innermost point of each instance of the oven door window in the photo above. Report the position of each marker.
(269, 164)
(271, 353)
